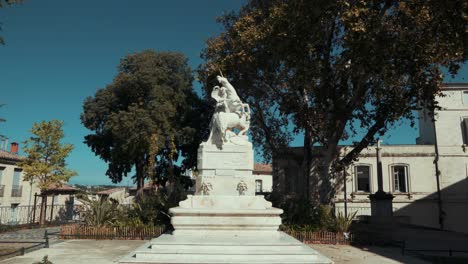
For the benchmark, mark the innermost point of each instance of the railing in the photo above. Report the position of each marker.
(31, 214)
(431, 253)
(76, 231)
(321, 237)
(2, 190)
(16, 191)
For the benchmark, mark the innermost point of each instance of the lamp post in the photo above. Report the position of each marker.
(379, 168)
(381, 202)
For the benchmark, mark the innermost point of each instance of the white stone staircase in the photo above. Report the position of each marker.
(225, 247)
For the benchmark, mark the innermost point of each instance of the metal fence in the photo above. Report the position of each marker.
(76, 231)
(321, 237)
(18, 215)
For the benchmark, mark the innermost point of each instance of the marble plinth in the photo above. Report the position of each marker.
(224, 169)
(224, 223)
(237, 213)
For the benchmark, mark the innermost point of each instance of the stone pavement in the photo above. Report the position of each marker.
(342, 254)
(110, 251)
(80, 251)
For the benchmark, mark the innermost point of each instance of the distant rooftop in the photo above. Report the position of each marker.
(61, 189)
(10, 157)
(147, 186)
(260, 168)
(455, 86)
(110, 191)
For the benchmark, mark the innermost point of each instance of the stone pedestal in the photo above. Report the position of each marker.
(381, 205)
(222, 170)
(224, 222)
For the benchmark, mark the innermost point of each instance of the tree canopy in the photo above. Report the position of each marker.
(147, 118)
(45, 155)
(335, 69)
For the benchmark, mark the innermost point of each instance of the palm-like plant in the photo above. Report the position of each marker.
(100, 212)
(343, 222)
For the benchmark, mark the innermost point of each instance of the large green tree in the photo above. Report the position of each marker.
(45, 162)
(147, 118)
(334, 70)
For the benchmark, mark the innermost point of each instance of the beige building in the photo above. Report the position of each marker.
(17, 196)
(409, 171)
(263, 178)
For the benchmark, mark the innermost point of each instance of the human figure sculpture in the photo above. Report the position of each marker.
(233, 101)
(229, 113)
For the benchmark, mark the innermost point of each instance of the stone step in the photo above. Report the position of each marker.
(225, 247)
(232, 249)
(227, 257)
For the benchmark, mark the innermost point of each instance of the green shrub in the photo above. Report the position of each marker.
(100, 212)
(153, 208)
(301, 214)
(45, 260)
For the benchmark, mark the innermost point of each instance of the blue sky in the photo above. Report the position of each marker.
(59, 52)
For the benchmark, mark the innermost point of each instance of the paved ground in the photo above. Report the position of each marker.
(80, 251)
(110, 251)
(342, 254)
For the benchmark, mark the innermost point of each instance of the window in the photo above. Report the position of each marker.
(400, 178)
(56, 200)
(258, 186)
(362, 178)
(2, 169)
(17, 177)
(464, 125)
(465, 98)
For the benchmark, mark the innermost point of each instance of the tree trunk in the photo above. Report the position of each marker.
(42, 217)
(324, 175)
(140, 177)
(307, 166)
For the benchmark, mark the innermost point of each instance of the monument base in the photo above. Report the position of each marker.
(225, 247)
(381, 204)
(225, 229)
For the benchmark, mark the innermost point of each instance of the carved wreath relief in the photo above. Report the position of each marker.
(205, 188)
(241, 187)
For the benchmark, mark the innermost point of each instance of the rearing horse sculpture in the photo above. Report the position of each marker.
(230, 113)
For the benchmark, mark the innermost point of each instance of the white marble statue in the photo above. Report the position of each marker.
(230, 113)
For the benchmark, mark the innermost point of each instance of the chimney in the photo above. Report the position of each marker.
(14, 148)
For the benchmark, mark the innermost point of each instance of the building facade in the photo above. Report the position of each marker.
(422, 197)
(263, 178)
(17, 197)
